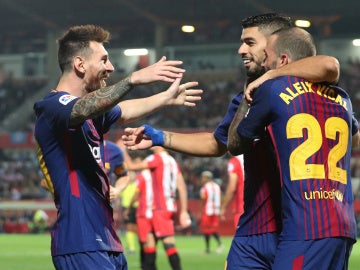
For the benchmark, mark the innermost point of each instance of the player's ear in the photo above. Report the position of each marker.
(284, 59)
(79, 64)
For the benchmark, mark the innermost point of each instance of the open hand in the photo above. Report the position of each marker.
(135, 139)
(184, 94)
(163, 70)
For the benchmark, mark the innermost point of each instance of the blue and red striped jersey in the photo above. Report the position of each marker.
(311, 126)
(262, 197)
(262, 213)
(72, 159)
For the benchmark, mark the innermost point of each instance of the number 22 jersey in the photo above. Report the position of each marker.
(311, 126)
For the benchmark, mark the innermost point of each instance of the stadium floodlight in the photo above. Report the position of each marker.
(188, 28)
(303, 23)
(356, 42)
(136, 52)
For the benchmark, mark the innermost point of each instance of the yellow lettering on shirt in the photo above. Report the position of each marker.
(300, 88)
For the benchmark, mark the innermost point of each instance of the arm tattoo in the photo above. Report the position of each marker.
(168, 137)
(234, 140)
(99, 101)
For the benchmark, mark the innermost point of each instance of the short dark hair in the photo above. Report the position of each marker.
(295, 42)
(76, 40)
(268, 23)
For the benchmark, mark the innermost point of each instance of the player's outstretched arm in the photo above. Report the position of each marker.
(98, 102)
(319, 68)
(197, 144)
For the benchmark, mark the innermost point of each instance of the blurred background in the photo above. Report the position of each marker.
(204, 34)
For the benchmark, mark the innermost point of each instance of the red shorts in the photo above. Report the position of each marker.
(161, 224)
(144, 226)
(209, 224)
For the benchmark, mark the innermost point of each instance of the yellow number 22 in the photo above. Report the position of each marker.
(299, 169)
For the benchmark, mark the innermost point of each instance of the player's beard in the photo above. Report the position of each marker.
(255, 73)
(98, 83)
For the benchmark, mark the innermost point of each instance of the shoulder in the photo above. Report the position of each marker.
(273, 86)
(237, 98)
(340, 91)
(276, 82)
(62, 98)
(55, 100)
(65, 98)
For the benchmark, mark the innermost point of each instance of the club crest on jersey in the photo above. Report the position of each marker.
(65, 99)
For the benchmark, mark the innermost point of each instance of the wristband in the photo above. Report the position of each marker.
(156, 136)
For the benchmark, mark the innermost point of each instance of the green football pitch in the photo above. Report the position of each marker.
(32, 252)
